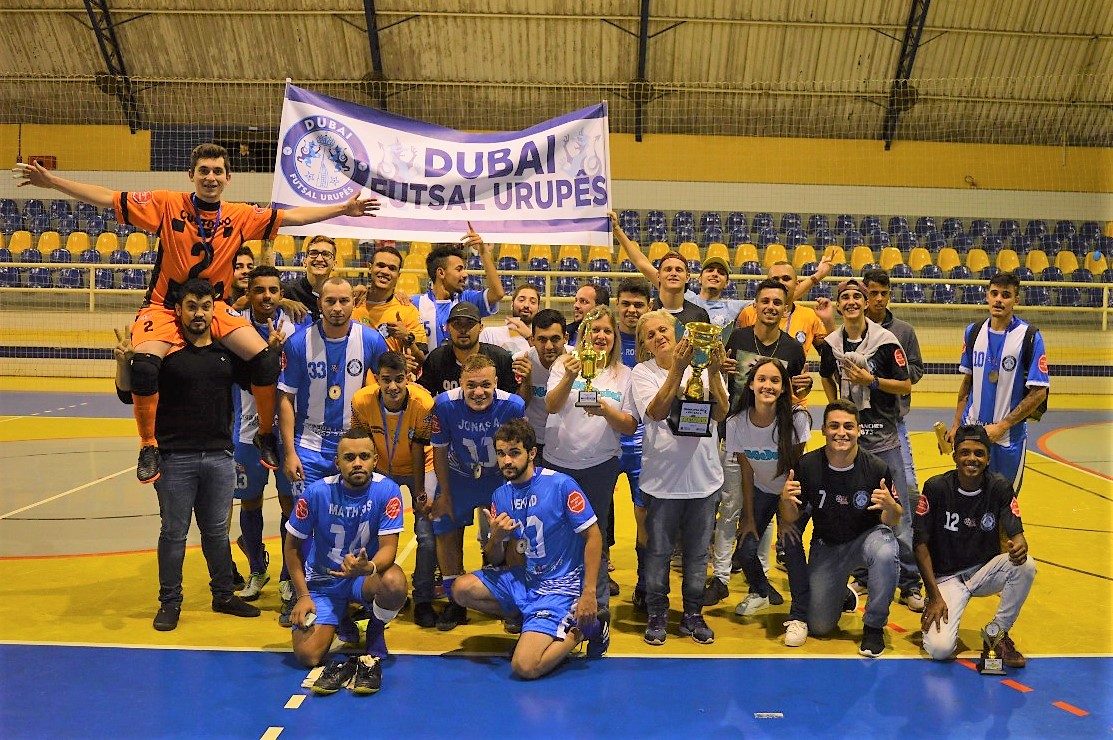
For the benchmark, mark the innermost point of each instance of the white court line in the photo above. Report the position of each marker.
(67, 493)
(1071, 466)
(402, 556)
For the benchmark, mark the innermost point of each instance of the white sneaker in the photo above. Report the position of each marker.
(254, 586)
(914, 600)
(796, 633)
(751, 604)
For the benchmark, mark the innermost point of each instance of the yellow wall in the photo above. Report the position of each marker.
(80, 147)
(706, 159)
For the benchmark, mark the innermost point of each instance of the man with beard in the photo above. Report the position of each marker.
(545, 546)
(588, 298)
(193, 425)
(347, 525)
(448, 273)
(398, 321)
(515, 336)
(441, 369)
(549, 343)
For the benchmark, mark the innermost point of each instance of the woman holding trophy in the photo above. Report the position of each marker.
(590, 403)
(679, 392)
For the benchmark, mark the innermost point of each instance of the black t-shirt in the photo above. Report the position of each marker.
(441, 372)
(745, 345)
(195, 399)
(840, 499)
(960, 528)
(880, 420)
(300, 290)
(688, 312)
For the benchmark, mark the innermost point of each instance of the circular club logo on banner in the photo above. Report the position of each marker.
(323, 160)
(394, 507)
(576, 503)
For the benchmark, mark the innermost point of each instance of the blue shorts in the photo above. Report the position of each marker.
(550, 614)
(1009, 462)
(631, 464)
(252, 477)
(467, 494)
(316, 465)
(331, 602)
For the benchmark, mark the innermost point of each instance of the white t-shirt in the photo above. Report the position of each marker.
(501, 336)
(536, 414)
(759, 444)
(577, 441)
(674, 467)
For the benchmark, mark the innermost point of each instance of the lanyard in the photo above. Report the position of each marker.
(207, 242)
(391, 447)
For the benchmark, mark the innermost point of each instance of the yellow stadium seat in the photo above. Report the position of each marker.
(1007, 261)
(422, 248)
(774, 253)
(138, 243)
(802, 255)
(413, 262)
(78, 242)
(541, 251)
(571, 250)
(409, 284)
(746, 252)
(977, 260)
(600, 252)
(919, 258)
(1096, 266)
(255, 245)
(20, 240)
(861, 256)
(836, 253)
(510, 250)
(284, 244)
(1066, 261)
(107, 242)
(890, 257)
(657, 250)
(948, 259)
(48, 242)
(689, 251)
(718, 249)
(346, 252)
(1037, 261)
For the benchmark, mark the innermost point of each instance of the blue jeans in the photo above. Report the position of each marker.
(909, 579)
(598, 484)
(425, 562)
(909, 466)
(693, 521)
(201, 483)
(830, 565)
(765, 507)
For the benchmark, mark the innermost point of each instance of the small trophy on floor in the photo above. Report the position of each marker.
(992, 664)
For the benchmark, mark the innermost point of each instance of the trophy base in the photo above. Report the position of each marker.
(992, 667)
(588, 400)
(690, 418)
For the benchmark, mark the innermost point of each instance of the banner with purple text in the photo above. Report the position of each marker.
(549, 184)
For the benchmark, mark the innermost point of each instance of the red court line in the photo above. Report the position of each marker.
(967, 663)
(1041, 444)
(1070, 708)
(1018, 686)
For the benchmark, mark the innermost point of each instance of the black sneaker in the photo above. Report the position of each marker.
(235, 606)
(850, 602)
(781, 563)
(638, 600)
(513, 624)
(694, 626)
(714, 592)
(167, 618)
(614, 588)
(268, 449)
(873, 641)
(336, 675)
(452, 616)
(775, 597)
(147, 470)
(424, 614)
(600, 639)
(239, 583)
(369, 675)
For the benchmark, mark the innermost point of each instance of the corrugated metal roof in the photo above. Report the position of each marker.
(1018, 71)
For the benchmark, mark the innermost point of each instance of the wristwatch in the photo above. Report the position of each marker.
(876, 383)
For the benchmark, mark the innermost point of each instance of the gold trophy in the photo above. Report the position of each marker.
(691, 415)
(992, 664)
(592, 362)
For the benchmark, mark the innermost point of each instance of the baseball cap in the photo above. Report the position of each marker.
(852, 283)
(716, 262)
(465, 310)
(972, 432)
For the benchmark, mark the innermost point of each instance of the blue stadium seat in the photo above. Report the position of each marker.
(1019, 244)
(40, 277)
(963, 243)
(682, 219)
(34, 207)
(1051, 274)
(58, 208)
(710, 218)
(844, 223)
(925, 225)
(634, 232)
(119, 257)
(507, 284)
(900, 270)
(842, 269)
(750, 268)
(880, 240)
(694, 267)
(90, 256)
(38, 224)
(943, 293)
(952, 227)
(538, 282)
(737, 220)
(987, 272)
(1090, 231)
(795, 237)
(134, 280)
(685, 233)
(931, 272)
(980, 228)
(1037, 295)
(749, 290)
(8, 207)
(1062, 228)
(123, 231)
(870, 225)
(935, 241)
(1035, 228)
(869, 266)
(475, 282)
(973, 295)
(1107, 277)
(84, 210)
(94, 225)
(993, 244)
(31, 254)
(505, 263)
(823, 238)
(790, 221)
(1024, 275)
(566, 287)
(761, 221)
(474, 262)
(818, 221)
(731, 291)
(912, 293)
(808, 268)
(61, 255)
(599, 265)
(906, 241)
(67, 224)
(11, 223)
(1105, 246)
(151, 256)
(628, 218)
(851, 239)
(1049, 243)
(655, 217)
(738, 236)
(627, 266)
(767, 236)
(897, 224)
(1090, 297)
(1076, 244)
(104, 279)
(569, 264)
(1008, 228)
(658, 233)
(712, 234)
(539, 264)
(1066, 297)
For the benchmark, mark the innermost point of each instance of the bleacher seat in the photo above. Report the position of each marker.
(37, 224)
(137, 243)
(1007, 261)
(816, 222)
(844, 223)
(790, 221)
(58, 207)
(973, 295)
(901, 270)
(599, 265)
(683, 219)
(84, 210)
(655, 217)
(1035, 228)
(767, 236)
(1096, 263)
(1047, 242)
(717, 249)
(1066, 261)
(151, 256)
(773, 254)
(977, 260)
(9, 276)
(1036, 260)
(935, 241)
(794, 238)
(803, 255)
(943, 293)
(507, 263)
(134, 280)
(760, 222)
(123, 231)
(736, 220)
(842, 270)
(897, 224)
(629, 217)
(1019, 244)
(822, 238)
(959, 272)
(879, 240)
(851, 239)
(66, 225)
(952, 227)
(94, 224)
(685, 234)
(925, 225)
(571, 256)
(1024, 274)
(8, 207)
(657, 250)
(962, 243)
(750, 267)
(868, 267)
(931, 272)
(890, 257)
(108, 243)
(657, 233)
(980, 228)
(33, 207)
(745, 253)
(712, 234)
(1008, 228)
(749, 290)
(738, 236)
(948, 259)
(708, 219)
(1090, 230)
(1050, 274)
(1075, 244)
(627, 266)
(993, 244)
(11, 223)
(1063, 228)
(860, 256)
(1088, 297)
(912, 293)
(869, 225)
(836, 253)
(1037, 295)
(731, 291)
(566, 287)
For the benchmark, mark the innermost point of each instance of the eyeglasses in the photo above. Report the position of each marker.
(315, 253)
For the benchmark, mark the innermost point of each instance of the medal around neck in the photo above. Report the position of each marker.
(690, 415)
(992, 663)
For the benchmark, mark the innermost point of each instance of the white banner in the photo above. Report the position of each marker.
(549, 184)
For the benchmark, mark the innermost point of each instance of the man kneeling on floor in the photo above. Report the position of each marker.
(545, 537)
(958, 547)
(340, 515)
